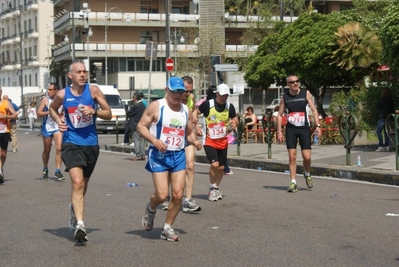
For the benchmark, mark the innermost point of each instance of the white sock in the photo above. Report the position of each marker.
(306, 173)
(211, 186)
(167, 226)
(186, 199)
(81, 223)
(293, 181)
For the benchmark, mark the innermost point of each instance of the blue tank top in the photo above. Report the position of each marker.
(81, 128)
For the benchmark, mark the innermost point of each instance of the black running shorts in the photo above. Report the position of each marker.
(80, 156)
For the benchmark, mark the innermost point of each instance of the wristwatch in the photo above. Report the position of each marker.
(318, 125)
(95, 112)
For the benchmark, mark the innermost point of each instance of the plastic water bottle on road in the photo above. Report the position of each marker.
(131, 184)
(316, 138)
(359, 161)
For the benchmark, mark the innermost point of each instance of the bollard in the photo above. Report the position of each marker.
(392, 125)
(269, 123)
(346, 124)
(117, 130)
(240, 130)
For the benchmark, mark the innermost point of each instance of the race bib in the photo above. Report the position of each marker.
(217, 130)
(297, 118)
(173, 137)
(77, 119)
(3, 127)
(51, 125)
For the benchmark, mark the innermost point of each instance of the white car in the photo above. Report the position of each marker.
(275, 103)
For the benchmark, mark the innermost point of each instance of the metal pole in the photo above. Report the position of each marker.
(281, 10)
(167, 34)
(106, 45)
(21, 78)
(149, 76)
(88, 52)
(73, 37)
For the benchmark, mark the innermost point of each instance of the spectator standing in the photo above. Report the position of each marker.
(50, 132)
(13, 126)
(134, 114)
(80, 149)
(385, 106)
(32, 116)
(7, 112)
(166, 124)
(218, 114)
(126, 136)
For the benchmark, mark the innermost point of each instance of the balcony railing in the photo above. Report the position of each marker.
(141, 48)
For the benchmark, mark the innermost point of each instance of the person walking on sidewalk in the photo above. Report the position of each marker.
(80, 149)
(294, 103)
(13, 126)
(50, 132)
(134, 114)
(166, 124)
(385, 106)
(32, 116)
(218, 114)
(7, 112)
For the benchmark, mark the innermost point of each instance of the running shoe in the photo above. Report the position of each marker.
(309, 180)
(59, 176)
(213, 195)
(169, 235)
(292, 188)
(72, 220)
(148, 219)
(80, 234)
(219, 194)
(229, 173)
(190, 206)
(165, 204)
(1, 178)
(45, 175)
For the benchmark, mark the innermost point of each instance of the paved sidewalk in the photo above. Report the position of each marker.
(327, 160)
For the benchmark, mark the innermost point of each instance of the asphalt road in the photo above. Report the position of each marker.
(337, 223)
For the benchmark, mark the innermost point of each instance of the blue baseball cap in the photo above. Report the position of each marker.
(175, 83)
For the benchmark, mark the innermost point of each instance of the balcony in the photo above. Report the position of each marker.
(31, 5)
(97, 50)
(32, 34)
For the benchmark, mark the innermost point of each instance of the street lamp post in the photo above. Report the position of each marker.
(182, 40)
(107, 18)
(84, 13)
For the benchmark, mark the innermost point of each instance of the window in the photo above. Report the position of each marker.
(30, 80)
(148, 36)
(36, 80)
(130, 65)
(148, 6)
(34, 51)
(180, 7)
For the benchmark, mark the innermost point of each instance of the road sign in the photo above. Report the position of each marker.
(169, 64)
(226, 67)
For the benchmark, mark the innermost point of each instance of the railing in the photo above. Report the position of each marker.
(140, 48)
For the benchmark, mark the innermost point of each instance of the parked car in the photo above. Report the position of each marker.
(275, 103)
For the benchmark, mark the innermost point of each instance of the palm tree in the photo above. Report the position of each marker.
(356, 48)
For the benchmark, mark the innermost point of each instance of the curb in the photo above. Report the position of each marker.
(333, 171)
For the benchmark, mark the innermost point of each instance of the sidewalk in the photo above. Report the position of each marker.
(327, 160)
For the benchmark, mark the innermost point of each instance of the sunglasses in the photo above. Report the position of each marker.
(188, 92)
(177, 91)
(292, 82)
(50, 90)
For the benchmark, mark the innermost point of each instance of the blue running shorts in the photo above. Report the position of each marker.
(173, 161)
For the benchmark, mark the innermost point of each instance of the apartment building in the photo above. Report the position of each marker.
(116, 39)
(25, 46)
